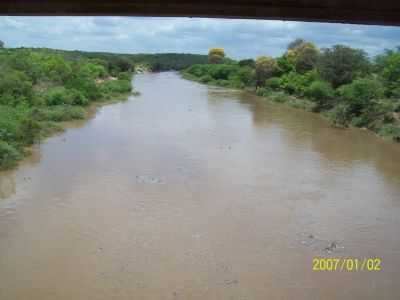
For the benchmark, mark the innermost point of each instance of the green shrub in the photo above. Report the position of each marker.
(295, 83)
(390, 131)
(8, 155)
(94, 70)
(273, 83)
(320, 90)
(236, 83)
(246, 75)
(363, 88)
(222, 72)
(391, 73)
(61, 113)
(15, 88)
(385, 107)
(50, 127)
(263, 92)
(340, 115)
(61, 95)
(280, 97)
(206, 78)
(393, 90)
(302, 103)
(86, 85)
(321, 93)
(116, 86)
(8, 123)
(57, 69)
(359, 94)
(125, 76)
(77, 97)
(119, 64)
(247, 63)
(396, 107)
(57, 96)
(222, 82)
(286, 64)
(362, 120)
(29, 130)
(196, 70)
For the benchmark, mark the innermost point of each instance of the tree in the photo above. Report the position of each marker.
(95, 70)
(246, 75)
(306, 56)
(301, 54)
(216, 55)
(8, 155)
(391, 70)
(359, 95)
(295, 43)
(29, 130)
(1, 44)
(33, 64)
(222, 71)
(120, 64)
(197, 70)
(57, 69)
(15, 87)
(81, 81)
(273, 83)
(381, 60)
(360, 103)
(391, 74)
(266, 67)
(286, 63)
(247, 62)
(296, 83)
(320, 92)
(341, 64)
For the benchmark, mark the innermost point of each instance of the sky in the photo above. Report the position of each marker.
(240, 38)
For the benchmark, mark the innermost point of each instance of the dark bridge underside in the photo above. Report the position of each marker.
(349, 11)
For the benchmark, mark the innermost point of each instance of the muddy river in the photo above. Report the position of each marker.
(195, 192)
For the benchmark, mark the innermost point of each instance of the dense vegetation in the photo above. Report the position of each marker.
(153, 62)
(341, 82)
(40, 88)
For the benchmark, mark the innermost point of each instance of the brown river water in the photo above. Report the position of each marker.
(196, 192)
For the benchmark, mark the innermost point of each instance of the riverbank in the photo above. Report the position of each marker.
(56, 120)
(386, 125)
(279, 97)
(42, 88)
(87, 113)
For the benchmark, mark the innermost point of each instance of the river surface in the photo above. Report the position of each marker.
(196, 192)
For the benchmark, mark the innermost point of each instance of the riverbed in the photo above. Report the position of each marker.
(196, 192)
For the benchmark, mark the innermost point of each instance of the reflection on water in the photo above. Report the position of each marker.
(195, 192)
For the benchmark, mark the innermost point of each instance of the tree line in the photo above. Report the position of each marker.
(341, 82)
(155, 62)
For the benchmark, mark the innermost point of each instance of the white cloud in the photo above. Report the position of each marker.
(240, 38)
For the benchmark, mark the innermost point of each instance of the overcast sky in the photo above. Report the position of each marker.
(240, 38)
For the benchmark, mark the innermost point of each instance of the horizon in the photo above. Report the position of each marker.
(166, 53)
